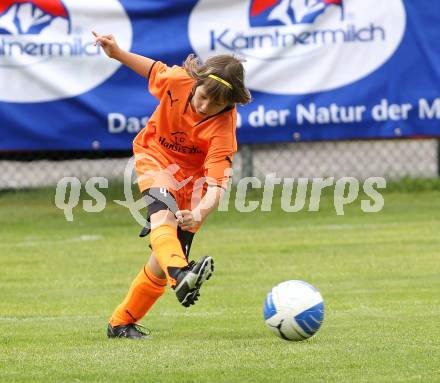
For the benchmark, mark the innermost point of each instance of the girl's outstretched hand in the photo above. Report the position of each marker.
(108, 43)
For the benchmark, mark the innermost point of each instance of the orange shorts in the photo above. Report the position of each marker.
(187, 190)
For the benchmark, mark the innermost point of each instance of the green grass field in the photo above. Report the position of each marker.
(379, 275)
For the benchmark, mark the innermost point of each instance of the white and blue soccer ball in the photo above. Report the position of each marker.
(294, 310)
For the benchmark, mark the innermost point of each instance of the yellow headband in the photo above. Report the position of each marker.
(219, 79)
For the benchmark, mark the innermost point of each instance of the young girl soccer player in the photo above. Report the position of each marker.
(189, 139)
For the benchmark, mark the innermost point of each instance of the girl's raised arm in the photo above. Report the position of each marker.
(140, 64)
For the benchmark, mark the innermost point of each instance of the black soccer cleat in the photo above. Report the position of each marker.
(190, 278)
(130, 331)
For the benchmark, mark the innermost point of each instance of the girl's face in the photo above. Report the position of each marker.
(203, 105)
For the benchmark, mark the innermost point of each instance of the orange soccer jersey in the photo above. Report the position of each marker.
(178, 139)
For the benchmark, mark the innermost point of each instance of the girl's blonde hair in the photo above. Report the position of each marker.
(225, 67)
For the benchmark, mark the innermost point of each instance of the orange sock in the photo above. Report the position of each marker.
(167, 250)
(144, 291)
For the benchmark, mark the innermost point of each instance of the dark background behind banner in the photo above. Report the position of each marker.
(160, 31)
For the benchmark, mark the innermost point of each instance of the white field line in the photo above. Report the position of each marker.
(344, 226)
(51, 318)
(33, 243)
(92, 317)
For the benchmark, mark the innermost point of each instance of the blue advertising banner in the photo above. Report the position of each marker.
(317, 69)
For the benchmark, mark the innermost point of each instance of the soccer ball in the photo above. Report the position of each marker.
(294, 310)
